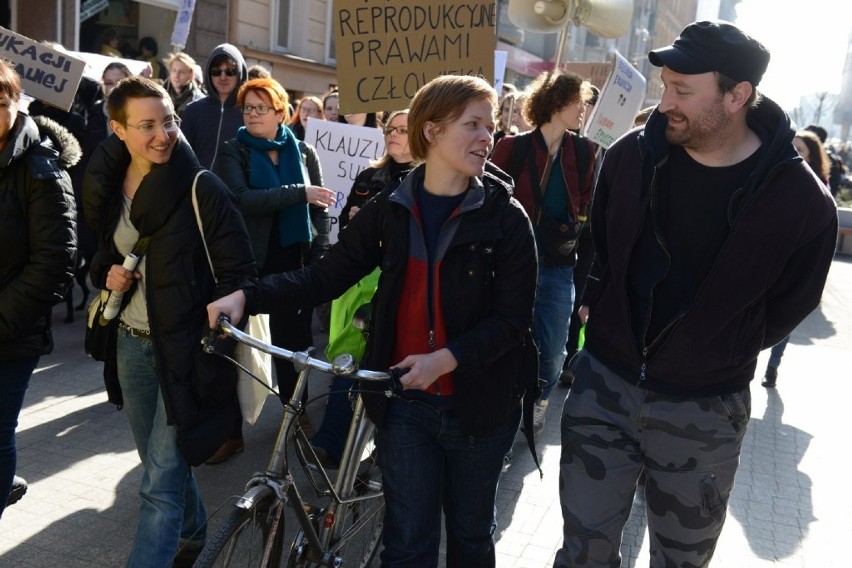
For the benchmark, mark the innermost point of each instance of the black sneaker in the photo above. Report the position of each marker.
(19, 488)
(770, 377)
(566, 379)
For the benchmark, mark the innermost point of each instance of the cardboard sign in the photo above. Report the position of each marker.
(344, 151)
(595, 73)
(388, 49)
(47, 74)
(620, 100)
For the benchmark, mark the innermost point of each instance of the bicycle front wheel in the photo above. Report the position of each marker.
(248, 538)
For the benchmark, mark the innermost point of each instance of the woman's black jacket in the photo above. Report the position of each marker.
(38, 232)
(198, 389)
(487, 283)
(259, 206)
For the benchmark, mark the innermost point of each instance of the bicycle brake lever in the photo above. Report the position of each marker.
(396, 373)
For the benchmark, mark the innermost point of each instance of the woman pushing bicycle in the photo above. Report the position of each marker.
(453, 306)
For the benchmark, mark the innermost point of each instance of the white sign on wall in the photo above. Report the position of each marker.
(344, 151)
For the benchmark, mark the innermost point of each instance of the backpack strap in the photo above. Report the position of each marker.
(520, 148)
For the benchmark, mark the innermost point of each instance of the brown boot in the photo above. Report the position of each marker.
(226, 450)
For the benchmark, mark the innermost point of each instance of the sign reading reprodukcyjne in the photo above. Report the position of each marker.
(46, 73)
(387, 49)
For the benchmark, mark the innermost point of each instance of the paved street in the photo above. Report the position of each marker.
(791, 506)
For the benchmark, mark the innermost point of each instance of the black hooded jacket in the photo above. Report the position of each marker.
(768, 275)
(198, 389)
(38, 229)
(208, 122)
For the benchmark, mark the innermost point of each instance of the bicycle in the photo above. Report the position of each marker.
(347, 526)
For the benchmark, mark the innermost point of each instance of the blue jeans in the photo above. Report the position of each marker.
(332, 433)
(554, 302)
(14, 379)
(427, 464)
(171, 511)
(777, 352)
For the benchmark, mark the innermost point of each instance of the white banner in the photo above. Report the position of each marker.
(344, 151)
(620, 100)
(499, 70)
(181, 30)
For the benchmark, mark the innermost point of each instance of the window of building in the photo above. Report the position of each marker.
(283, 19)
(331, 49)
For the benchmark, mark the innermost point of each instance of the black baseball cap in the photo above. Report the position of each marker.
(707, 46)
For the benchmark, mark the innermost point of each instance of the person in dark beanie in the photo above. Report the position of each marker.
(713, 240)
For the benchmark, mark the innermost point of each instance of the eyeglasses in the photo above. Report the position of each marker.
(260, 109)
(229, 72)
(170, 126)
(401, 130)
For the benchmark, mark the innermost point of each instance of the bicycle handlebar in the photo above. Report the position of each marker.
(342, 365)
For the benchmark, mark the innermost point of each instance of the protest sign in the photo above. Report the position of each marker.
(499, 69)
(96, 63)
(620, 100)
(343, 150)
(180, 31)
(47, 74)
(595, 73)
(388, 49)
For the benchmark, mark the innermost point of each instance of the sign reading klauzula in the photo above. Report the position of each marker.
(387, 49)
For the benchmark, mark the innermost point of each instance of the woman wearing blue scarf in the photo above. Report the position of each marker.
(277, 183)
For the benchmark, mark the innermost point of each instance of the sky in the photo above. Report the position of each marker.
(807, 42)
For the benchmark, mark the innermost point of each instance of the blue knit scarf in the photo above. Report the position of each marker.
(294, 222)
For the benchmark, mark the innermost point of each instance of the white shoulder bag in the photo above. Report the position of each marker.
(251, 390)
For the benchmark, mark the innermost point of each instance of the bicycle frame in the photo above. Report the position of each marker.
(277, 475)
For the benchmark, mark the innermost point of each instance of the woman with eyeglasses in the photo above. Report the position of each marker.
(180, 402)
(308, 107)
(343, 337)
(277, 183)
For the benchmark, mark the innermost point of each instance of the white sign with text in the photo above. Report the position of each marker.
(344, 151)
(620, 100)
(47, 74)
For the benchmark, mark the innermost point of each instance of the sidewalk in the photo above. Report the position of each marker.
(791, 506)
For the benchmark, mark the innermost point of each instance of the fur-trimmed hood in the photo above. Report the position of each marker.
(29, 131)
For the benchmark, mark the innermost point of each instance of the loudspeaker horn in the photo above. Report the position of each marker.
(541, 16)
(604, 18)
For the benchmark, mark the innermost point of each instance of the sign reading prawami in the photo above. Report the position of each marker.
(387, 49)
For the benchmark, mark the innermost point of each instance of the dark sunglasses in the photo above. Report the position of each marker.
(228, 72)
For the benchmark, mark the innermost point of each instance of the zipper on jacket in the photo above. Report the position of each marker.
(218, 135)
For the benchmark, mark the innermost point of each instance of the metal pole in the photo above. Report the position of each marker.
(563, 38)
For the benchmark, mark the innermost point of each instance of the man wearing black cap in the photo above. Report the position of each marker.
(713, 241)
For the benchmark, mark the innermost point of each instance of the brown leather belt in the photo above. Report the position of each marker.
(143, 333)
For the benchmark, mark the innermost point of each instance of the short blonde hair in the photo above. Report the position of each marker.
(441, 101)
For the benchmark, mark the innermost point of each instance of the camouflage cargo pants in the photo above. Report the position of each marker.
(689, 450)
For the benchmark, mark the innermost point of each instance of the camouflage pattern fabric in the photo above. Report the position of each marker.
(688, 448)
